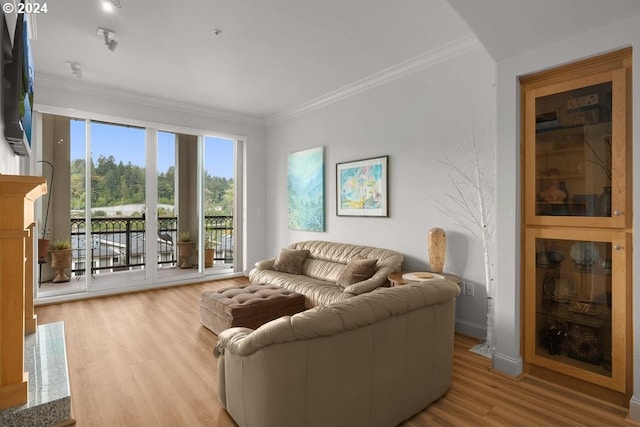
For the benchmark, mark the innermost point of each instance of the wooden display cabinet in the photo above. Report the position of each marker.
(577, 233)
(575, 294)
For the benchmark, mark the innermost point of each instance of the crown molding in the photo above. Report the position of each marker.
(428, 59)
(101, 91)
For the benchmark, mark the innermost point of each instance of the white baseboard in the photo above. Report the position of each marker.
(471, 329)
(634, 409)
(507, 365)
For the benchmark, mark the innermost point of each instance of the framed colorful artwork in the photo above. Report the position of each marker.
(305, 184)
(362, 187)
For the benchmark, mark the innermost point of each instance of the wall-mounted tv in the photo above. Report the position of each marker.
(17, 85)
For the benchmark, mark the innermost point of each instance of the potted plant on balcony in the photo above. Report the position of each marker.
(209, 252)
(185, 249)
(60, 258)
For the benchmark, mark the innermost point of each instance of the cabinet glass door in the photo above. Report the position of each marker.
(575, 303)
(575, 142)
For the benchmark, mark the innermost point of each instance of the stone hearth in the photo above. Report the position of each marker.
(45, 359)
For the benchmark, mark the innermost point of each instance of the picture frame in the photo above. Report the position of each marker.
(362, 187)
(305, 188)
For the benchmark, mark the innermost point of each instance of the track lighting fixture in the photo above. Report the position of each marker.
(109, 41)
(75, 69)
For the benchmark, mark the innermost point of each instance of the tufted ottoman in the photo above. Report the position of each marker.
(249, 306)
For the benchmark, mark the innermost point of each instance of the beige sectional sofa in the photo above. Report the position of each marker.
(323, 270)
(372, 360)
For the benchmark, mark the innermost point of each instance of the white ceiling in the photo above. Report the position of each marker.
(509, 27)
(271, 56)
(274, 55)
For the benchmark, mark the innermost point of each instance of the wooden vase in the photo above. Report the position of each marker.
(437, 249)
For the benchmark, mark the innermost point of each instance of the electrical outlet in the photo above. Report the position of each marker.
(468, 289)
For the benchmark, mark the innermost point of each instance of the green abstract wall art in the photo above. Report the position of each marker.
(305, 183)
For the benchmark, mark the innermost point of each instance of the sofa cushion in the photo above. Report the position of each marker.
(290, 260)
(322, 269)
(315, 291)
(357, 270)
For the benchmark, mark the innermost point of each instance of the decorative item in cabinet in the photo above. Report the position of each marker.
(553, 193)
(583, 101)
(548, 288)
(553, 338)
(585, 307)
(548, 255)
(548, 120)
(558, 289)
(584, 254)
(564, 290)
(604, 202)
(584, 343)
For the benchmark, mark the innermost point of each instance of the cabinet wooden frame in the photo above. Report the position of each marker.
(619, 200)
(619, 304)
(600, 89)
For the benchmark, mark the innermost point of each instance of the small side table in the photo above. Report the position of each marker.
(396, 278)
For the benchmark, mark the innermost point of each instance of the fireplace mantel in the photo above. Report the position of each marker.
(17, 196)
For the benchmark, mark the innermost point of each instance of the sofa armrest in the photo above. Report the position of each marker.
(245, 341)
(265, 264)
(229, 338)
(380, 278)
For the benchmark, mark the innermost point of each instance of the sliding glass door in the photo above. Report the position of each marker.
(62, 215)
(219, 204)
(139, 206)
(118, 205)
(167, 221)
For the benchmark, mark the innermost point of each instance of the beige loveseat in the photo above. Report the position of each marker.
(323, 267)
(372, 360)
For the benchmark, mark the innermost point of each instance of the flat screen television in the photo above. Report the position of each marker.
(17, 86)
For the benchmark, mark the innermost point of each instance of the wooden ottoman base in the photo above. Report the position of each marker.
(249, 306)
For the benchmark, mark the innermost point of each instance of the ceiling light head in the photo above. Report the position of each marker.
(108, 37)
(111, 44)
(107, 6)
(75, 69)
(110, 5)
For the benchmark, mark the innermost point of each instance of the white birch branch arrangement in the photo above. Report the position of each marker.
(472, 207)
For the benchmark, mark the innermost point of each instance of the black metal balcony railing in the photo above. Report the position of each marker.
(119, 243)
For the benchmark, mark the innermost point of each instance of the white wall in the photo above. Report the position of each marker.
(9, 162)
(104, 103)
(622, 34)
(415, 120)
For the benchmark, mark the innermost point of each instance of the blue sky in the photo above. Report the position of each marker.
(127, 144)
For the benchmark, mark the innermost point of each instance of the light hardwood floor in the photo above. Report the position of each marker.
(143, 359)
